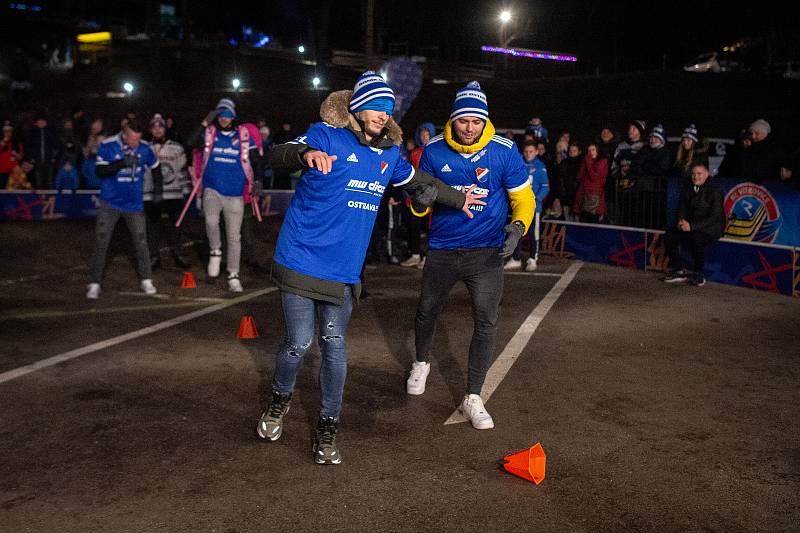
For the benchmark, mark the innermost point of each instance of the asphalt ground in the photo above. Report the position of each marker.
(660, 407)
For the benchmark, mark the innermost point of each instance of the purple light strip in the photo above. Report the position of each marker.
(533, 54)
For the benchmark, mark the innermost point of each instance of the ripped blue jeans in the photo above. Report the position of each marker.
(300, 314)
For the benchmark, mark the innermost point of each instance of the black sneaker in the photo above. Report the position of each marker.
(325, 450)
(678, 276)
(698, 280)
(270, 427)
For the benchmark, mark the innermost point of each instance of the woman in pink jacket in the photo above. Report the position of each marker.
(590, 200)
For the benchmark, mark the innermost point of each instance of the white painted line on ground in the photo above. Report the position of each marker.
(73, 354)
(540, 274)
(511, 352)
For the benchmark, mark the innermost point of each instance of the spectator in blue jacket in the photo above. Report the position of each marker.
(537, 177)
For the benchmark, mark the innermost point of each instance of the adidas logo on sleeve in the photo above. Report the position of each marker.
(446, 168)
(352, 158)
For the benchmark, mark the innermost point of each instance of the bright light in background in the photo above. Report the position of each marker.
(505, 16)
(236, 83)
(385, 76)
(316, 81)
(301, 49)
(128, 86)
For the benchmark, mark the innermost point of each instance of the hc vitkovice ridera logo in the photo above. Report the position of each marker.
(752, 213)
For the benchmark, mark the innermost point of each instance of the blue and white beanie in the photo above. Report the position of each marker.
(372, 92)
(691, 132)
(226, 108)
(470, 102)
(658, 132)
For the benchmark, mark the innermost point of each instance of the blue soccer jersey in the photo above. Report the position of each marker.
(329, 223)
(496, 170)
(224, 172)
(125, 189)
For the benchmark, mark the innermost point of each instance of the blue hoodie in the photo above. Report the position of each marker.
(426, 126)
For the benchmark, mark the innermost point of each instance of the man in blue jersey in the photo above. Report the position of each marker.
(121, 163)
(348, 161)
(467, 154)
(537, 177)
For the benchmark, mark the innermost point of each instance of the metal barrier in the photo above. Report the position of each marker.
(642, 206)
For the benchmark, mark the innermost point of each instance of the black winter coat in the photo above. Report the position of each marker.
(703, 209)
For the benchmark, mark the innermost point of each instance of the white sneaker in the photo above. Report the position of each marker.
(214, 262)
(93, 292)
(421, 264)
(530, 265)
(148, 287)
(473, 410)
(411, 261)
(416, 381)
(513, 264)
(234, 285)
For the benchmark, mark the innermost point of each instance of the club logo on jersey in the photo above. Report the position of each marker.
(752, 213)
(352, 158)
(384, 166)
(446, 168)
(481, 174)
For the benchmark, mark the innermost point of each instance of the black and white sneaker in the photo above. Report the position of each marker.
(325, 450)
(270, 427)
(698, 280)
(678, 276)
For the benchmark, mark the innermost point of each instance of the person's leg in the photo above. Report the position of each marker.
(107, 218)
(212, 207)
(483, 276)
(438, 277)
(233, 211)
(672, 241)
(174, 234)
(699, 245)
(153, 218)
(298, 314)
(137, 227)
(333, 321)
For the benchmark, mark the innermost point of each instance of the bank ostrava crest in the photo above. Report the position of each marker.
(752, 213)
(384, 166)
(481, 174)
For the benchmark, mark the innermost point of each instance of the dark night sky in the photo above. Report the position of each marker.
(630, 34)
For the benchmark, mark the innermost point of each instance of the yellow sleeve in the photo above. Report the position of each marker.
(422, 214)
(523, 205)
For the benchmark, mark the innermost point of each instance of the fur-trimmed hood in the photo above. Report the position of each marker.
(335, 111)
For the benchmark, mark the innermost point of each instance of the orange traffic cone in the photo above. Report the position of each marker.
(528, 464)
(247, 328)
(188, 281)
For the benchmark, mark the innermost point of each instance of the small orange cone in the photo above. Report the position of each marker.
(528, 464)
(247, 328)
(188, 281)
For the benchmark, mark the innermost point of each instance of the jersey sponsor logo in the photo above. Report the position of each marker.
(481, 174)
(478, 156)
(352, 158)
(384, 166)
(375, 188)
(446, 168)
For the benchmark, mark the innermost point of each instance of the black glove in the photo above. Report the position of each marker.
(210, 117)
(423, 197)
(257, 189)
(514, 232)
(130, 159)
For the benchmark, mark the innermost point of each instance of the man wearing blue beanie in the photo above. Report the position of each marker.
(347, 161)
(469, 154)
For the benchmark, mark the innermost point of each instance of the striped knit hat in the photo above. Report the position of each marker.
(658, 131)
(691, 132)
(372, 92)
(470, 102)
(226, 108)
